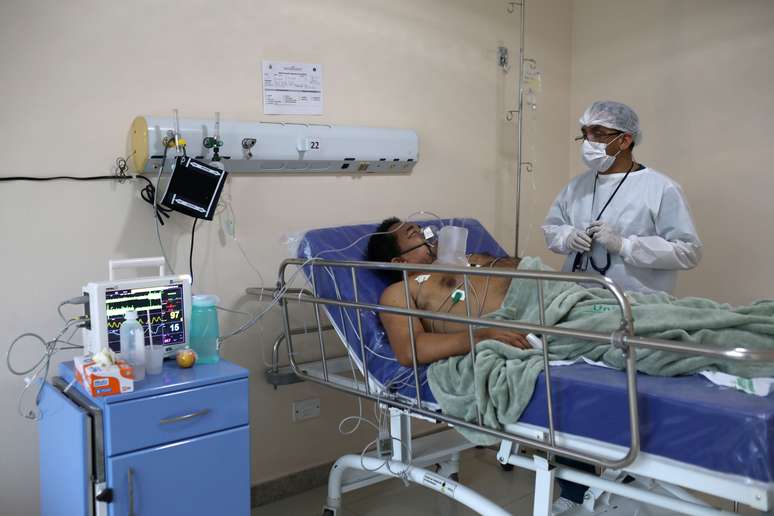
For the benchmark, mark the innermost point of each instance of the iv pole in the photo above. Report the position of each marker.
(520, 117)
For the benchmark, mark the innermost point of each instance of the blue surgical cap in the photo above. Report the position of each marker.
(613, 115)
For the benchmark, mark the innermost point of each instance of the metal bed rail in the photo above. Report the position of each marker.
(623, 339)
(275, 374)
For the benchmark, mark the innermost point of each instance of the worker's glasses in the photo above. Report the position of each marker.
(595, 134)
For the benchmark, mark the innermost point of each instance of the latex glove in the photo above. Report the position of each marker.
(604, 234)
(578, 241)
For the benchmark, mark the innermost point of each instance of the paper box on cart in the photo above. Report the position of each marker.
(104, 380)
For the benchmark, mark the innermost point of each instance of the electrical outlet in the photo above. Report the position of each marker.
(306, 409)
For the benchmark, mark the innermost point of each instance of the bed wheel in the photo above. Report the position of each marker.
(328, 512)
(455, 477)
(506, 467)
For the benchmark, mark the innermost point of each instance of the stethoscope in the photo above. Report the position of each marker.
(578, 265)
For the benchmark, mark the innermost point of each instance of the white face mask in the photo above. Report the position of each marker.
(594, 155)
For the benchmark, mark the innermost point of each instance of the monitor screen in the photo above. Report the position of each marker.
(163, 305)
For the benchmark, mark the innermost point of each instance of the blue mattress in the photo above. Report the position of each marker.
(683, 418)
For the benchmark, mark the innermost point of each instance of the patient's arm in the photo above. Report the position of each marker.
(431, 347)
(486, 260)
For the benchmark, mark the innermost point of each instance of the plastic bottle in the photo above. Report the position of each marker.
(133, 344)
(205, 332)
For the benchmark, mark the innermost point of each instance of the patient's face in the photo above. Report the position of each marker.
(411, 241)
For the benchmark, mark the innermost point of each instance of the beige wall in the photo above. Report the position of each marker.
(74, 74)
(699, 73)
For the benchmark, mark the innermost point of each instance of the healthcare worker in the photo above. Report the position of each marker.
(621, 218)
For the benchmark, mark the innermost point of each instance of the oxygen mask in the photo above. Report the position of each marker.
(452, 245)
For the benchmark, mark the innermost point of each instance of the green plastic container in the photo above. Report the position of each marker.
(205, 333)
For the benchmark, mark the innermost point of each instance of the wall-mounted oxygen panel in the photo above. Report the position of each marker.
(271, 147)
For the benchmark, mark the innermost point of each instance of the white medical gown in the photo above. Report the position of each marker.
(649, 211)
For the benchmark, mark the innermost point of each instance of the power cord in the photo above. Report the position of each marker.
(80, 300)
(61, 178)
(157, 208)
(119, 175)
(190, 254)
(38, 373)
(148, 194)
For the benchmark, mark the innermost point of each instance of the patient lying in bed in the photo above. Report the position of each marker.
(403, 242)
(568, 305)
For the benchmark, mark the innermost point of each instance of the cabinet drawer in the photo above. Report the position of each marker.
(145, 422)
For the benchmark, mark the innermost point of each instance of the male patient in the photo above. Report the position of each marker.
(403, 242)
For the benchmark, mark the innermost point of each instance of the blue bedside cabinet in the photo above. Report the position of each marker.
(178, 444)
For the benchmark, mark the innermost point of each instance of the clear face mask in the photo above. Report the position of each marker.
(594, 154)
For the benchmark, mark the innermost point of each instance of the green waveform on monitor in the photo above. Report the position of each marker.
(121, 310)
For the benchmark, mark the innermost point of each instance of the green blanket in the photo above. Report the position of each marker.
(505, 376)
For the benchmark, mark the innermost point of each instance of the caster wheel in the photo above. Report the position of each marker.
(455, 477)
(506, 467)
(328, 512)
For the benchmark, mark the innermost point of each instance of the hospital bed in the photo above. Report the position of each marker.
(670, 433)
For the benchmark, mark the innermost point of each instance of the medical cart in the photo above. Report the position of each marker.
(178, 444)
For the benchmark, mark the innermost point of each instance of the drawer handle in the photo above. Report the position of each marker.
(186, 417)
(130, 481)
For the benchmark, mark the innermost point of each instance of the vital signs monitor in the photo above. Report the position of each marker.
(162, 303)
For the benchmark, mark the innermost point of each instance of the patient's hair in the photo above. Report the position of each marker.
(383, 246)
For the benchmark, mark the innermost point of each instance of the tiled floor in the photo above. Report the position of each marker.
(479, 470)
